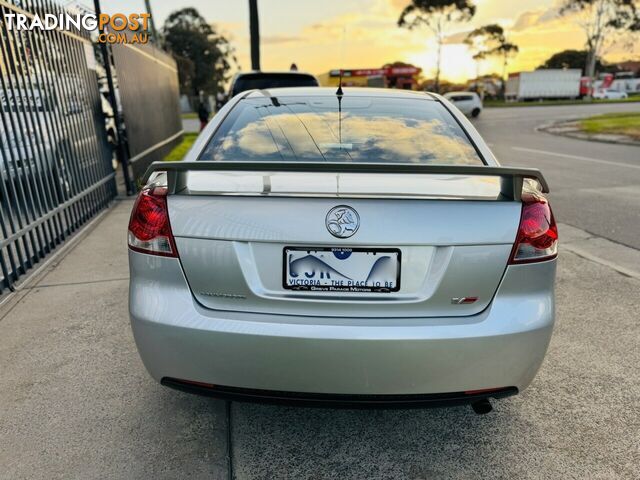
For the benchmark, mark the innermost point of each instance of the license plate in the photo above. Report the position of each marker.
(341, 269)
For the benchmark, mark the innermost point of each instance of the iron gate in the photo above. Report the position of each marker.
(55, 163)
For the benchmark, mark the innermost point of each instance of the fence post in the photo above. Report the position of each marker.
(121, 152)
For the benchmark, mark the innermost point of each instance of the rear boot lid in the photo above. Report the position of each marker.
(447, 237)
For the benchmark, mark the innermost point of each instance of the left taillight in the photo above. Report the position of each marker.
(149, 227)
(537, 238)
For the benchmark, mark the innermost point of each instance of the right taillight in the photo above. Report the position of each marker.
(149, 227)
(537, 238)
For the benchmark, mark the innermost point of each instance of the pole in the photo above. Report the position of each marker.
(254, 31)
(121, 154)
(154, 34)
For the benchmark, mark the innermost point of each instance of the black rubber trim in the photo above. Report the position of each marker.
(335, 400)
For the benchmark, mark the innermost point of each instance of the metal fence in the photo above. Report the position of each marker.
(147, 81)
(55, 163)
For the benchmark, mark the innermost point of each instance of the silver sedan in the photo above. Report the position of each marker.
(349, 248)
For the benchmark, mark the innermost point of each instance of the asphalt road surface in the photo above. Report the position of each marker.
(76, 402)
(595, 186)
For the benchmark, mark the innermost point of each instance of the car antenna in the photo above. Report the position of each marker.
(339, 94)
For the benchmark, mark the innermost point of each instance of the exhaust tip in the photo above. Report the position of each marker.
(482, 407)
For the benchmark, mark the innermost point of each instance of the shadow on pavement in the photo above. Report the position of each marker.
(277, 442)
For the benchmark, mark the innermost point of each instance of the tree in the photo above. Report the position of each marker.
(477, 53)
(436, 15)
(569, 59)
(203, 56)
(600, 19)
(493, 43)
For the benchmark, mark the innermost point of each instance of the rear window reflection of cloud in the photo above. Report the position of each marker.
(352, 136)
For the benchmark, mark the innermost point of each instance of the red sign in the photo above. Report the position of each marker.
(373, 72)
(402, 71)
(367, 72)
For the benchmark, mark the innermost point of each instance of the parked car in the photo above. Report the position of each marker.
(242, 82)
(27, 149)
(44, 135)
(362, 248)
(468, 103)
(609, 94)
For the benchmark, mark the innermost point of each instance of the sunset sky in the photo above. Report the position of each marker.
(311, 33)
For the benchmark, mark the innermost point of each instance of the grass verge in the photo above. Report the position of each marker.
(180, 150)
(190, 116)
(547, 103)
(613, 123)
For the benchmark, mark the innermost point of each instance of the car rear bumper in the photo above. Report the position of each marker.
(337, 400)
(241, 354)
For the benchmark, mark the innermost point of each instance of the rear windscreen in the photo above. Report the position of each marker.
(350, 129)
(261, 81)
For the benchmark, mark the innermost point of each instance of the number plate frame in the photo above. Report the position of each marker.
(357, 288)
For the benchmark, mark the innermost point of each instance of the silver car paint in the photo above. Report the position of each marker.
(234, 246)
(199, 337)
(502, 346)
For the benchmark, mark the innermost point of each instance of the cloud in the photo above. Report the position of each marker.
(371, 28)
(231, 30)
(457, 37)
(313, 135)
(279, 39)
(536, 18)
(398, 5)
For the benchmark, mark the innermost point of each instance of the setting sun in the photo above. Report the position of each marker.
(458, 67)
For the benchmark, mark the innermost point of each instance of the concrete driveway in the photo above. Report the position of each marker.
(76, 402)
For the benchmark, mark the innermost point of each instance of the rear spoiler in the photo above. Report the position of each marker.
(511, 178)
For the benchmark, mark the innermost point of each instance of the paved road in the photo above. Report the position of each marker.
(595, 186)
(76, 402)
(191, 125)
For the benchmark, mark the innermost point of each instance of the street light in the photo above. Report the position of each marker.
(154, 34)
(254, 31)
(121, 153)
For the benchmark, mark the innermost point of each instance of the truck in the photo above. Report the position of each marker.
(543, 84)
(607, 85)
(620, 82)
